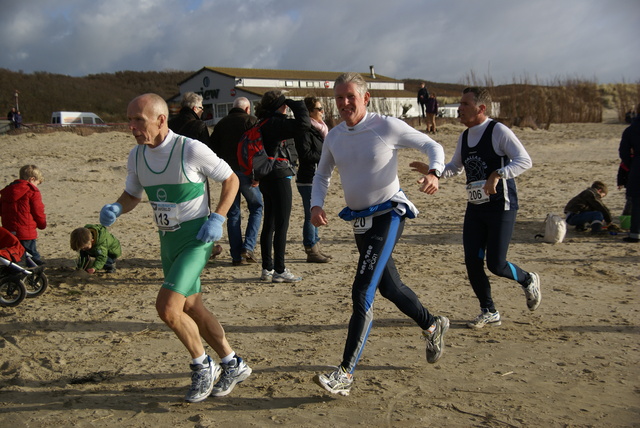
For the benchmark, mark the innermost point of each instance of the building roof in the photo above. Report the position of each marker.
(328, 93)
(258, 73)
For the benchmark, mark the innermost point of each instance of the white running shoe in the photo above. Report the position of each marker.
(285, 276)
(336, 382)
(485, 318)
(233, 373)
(532, 292)
(203, 377)
(267, 275)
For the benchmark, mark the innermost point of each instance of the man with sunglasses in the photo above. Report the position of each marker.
(188, 122)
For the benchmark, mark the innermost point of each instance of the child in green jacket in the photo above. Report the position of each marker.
(95, 244)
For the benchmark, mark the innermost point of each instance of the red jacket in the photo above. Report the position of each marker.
(10, 247)
(22, 210)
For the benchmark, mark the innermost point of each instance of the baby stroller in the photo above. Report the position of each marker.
(19, 275)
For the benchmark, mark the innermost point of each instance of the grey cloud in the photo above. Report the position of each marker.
(432, 39)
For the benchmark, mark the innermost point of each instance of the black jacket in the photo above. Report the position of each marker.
(309, 148)
(188, 123)
(423, 95)
(629, 151)
(226, 135)
(280, 128)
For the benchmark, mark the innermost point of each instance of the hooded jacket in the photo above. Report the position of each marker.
(104, 245)
(280, 128)
(22, 210)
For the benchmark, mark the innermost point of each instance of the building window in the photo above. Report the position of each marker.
(223, 109)
(288, 83)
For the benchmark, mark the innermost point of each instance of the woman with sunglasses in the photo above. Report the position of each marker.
(309, 148)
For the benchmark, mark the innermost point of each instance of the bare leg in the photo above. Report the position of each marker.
(208, 325)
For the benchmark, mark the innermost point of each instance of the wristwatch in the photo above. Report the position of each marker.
(500, 172)
(435, 172)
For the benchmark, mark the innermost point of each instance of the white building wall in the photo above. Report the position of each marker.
(219, 92)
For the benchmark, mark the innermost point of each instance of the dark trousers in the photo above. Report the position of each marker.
(634, 231)
(377, 271)
(489, 234)
(277, 196)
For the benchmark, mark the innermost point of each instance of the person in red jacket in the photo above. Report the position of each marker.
(22, 210)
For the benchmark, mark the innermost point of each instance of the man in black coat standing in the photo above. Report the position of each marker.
(423, 96)
(188, 122)
(224, 142)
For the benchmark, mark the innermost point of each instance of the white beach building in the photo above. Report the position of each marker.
(221, 86)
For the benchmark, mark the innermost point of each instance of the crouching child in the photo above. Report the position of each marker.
(97, 247)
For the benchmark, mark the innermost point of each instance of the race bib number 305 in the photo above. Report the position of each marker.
(165, 215)
(476, 194)
(361, 224)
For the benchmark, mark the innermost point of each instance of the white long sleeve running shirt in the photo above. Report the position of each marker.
(366, 157)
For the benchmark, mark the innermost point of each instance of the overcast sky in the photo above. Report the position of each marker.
(443, 41)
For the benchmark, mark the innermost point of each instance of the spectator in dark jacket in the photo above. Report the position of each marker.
(276, 190)
(432, 111)
(17, 120)
(224, 142)
(423, 96)
(587, 208)
(629, 149)
(188, 122)
(11, 117)
(309, 148)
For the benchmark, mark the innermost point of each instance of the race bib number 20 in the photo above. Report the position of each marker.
(361, 224)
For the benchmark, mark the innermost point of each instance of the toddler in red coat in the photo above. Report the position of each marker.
(22, 210)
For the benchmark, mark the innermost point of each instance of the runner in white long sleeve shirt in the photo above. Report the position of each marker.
(364, 148)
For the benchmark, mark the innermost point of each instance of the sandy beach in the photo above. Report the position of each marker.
(91, 351)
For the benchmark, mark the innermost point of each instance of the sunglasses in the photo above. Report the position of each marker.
(318, 108)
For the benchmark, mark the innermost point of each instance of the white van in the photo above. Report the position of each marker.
(68, 118)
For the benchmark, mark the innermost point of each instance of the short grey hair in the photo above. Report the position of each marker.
(481, 96)
(191, 100)
(242, 103)
(355, 78)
